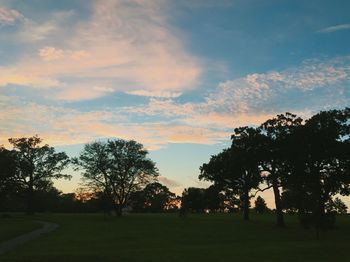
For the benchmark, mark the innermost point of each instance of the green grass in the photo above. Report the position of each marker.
(13, 226)
(217, 237)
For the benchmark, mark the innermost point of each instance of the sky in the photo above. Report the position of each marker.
(176, 76)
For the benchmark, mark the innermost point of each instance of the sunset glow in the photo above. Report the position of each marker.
(176, 76)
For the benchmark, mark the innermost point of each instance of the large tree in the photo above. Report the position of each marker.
(96, 164)
(236, 169)
(158, 197)
(7, 174)
(155, 198)
(36, 164)
(273, 162)
(260, 205)
(320, 154)
(118, 168)
(193, 199)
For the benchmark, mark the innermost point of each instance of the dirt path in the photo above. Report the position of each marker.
(17, 241)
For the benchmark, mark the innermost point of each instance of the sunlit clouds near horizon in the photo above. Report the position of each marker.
(166, 72)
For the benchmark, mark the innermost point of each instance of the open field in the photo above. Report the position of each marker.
(13, 226)
(166, 237)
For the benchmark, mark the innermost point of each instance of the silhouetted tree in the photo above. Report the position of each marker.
(138, 201)
(260, 205)
(237, 168)
(214, 198)
(96, 163)
(320, 157)
(273, 157)
(7, 175)
(36, 164)
(193, 199)
(157, 197)
(117, 167)
(295, 201)
(336, 206)
(46, 197)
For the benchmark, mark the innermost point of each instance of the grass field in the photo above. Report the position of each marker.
(14, 226)
(216, 237)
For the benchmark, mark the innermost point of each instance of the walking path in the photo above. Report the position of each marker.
(17, 241)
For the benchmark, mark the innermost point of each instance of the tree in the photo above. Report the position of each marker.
(260, 205)
(7, 174)
(96, 163)
(36, 164)
(137, 201)
(214, 198)
(236, 168)
(118, 168)
(320, 159)
(273, 161)
(193, 199)
(157, 197)
(336, 206)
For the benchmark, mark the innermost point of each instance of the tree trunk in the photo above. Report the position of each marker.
(30, 196)
(119, 210)
(278, 204)
(246, 205)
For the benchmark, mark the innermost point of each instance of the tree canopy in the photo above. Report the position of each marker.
(306, 163)
(116, 167)
(36, 165)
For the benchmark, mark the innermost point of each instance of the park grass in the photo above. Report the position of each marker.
(166, 237)
(15, 225)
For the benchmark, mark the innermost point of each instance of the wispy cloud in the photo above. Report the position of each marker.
(11, 76)
(265, 92)
(334, 28)
(169, 182)
(129, 47)
(311, 86)
(9, 16)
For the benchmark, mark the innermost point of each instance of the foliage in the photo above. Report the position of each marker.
(236, 168)
(193, 199)
(7, 175)
(155, 198)
(260, 205)
(336, 206)
(319, 156)
(36, 165)
(117, 168)
(273, 164)
(306, 163)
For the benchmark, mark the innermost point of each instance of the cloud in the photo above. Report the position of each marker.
(259, 93)
(9, 16)
(50, 53)
(83, 93)
(334, 28)
(164, 94)
(168, 182)
(305, 89)
(129, 47)
(68, 126)
(33, 32)
(13, 77)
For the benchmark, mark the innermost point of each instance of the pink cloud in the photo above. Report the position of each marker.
(128, 47)
(9, 16)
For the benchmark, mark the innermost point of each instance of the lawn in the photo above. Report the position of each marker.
(15, 225)
(215, 237)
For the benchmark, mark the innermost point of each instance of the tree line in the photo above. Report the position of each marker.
(116, 174)
(306, 163)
